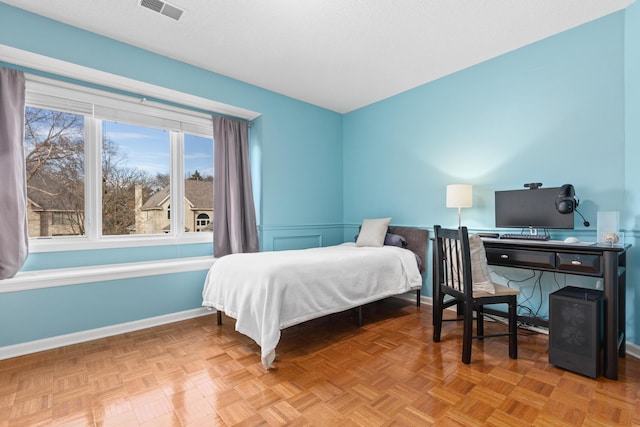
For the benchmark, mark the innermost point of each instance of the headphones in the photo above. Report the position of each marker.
(566, 201)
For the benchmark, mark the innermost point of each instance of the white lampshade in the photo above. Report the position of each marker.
(459, 196)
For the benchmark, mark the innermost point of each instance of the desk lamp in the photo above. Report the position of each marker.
(459, 196)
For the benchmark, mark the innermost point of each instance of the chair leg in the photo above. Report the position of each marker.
(513, 329)
(437, 317)
(418, 298)
(467, 333)
(480, 321)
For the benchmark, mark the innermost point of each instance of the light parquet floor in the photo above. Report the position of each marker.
(328, 372)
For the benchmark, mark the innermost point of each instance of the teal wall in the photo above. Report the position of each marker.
(49, 312)
(563, 110)
(631, 157)
(295, 154)
(551, 112)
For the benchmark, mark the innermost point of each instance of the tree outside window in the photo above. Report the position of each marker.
(135, 177)
(54, 157)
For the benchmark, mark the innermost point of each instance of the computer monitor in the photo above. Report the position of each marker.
(530, 209)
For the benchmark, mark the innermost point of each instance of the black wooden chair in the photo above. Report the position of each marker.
(453, 272)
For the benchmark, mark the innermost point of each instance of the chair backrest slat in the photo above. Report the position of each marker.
(453, 260)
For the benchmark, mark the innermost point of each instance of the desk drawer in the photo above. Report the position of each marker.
(578, 262)
(521, 258)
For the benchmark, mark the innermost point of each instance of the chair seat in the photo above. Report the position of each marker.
(501, 290)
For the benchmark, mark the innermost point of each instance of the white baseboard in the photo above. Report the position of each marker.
(632, 350)
(92, 334)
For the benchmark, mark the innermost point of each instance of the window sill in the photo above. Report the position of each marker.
(39, 279)
(60, 244)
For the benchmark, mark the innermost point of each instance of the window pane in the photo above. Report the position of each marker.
(135, 179)
(198, 185)
(54, 156)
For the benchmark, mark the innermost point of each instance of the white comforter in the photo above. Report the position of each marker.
(269, 291)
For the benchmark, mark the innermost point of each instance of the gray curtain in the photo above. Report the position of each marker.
(234, 215)
(14, 238)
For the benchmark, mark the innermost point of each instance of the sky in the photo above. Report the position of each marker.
(148, 149)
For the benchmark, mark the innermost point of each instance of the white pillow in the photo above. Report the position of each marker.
(373, 232)
(479, 267)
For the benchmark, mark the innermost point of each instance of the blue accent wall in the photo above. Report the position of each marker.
(562, 110)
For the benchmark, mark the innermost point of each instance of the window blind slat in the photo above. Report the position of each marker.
(62, 96)
(50, 102)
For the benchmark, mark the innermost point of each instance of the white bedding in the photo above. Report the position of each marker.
(269, 291)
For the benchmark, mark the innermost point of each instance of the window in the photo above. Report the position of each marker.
(54, 156)
(135, 179)
(102, 166)
(198, 186)
(202, 221)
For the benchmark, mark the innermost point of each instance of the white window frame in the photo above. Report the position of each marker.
(96, 106)
(52, 66)
(56, 67)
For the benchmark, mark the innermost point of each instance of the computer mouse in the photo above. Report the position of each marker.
(571, 240)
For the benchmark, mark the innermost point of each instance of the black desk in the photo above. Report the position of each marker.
(603, 261)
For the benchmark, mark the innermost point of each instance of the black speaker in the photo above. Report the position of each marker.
(575, 330)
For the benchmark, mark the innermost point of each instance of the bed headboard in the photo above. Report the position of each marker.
(417, 240)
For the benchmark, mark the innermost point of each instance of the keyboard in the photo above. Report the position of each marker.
(538, 237)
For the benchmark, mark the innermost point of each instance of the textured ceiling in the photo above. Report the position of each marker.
(338, 54)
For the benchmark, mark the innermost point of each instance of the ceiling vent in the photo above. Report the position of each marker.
(163, 8)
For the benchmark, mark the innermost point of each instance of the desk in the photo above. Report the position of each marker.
(595, 260)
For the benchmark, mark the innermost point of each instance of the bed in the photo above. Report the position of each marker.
(269, 291)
